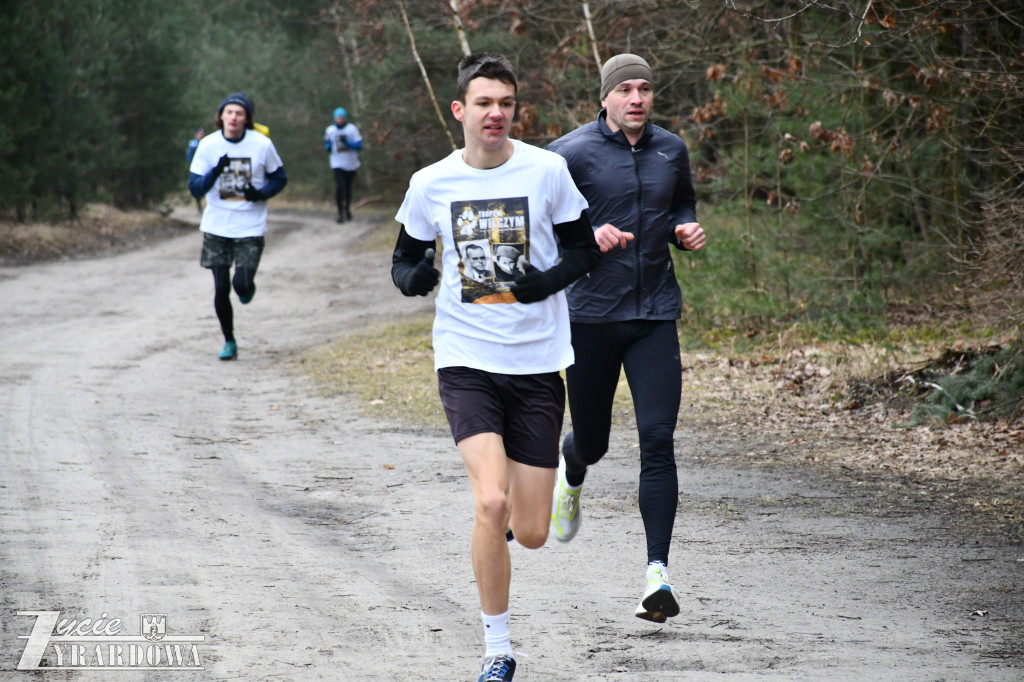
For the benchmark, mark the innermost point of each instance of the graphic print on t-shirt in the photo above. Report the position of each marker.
(235, 178)
(492, 238)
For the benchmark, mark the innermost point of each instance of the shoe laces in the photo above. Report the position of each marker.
(656, 573)
(568, 503)
(496, 667)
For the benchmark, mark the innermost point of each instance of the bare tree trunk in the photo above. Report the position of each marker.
(590, 32)
(748, 192)
(423, 70)
(350, 54)
(459, 30)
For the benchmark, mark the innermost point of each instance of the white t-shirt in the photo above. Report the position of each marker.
(227, 212)
(509, 211)
(341, 156)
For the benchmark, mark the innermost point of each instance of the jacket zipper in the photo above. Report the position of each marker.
(639, 232)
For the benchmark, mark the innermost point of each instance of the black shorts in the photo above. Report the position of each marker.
(243, 252)
(526, 410)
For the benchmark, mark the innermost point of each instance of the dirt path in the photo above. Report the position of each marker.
(140, 475)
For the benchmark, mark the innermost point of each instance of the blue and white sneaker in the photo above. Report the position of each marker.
(498, 668)
(660, 601)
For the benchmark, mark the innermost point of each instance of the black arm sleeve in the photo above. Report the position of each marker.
(199, 185)
(408, 255)
(275, 182)
(580, 253)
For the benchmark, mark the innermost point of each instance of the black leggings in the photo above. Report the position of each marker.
(244, 285)
(649, 352)
(343, 190)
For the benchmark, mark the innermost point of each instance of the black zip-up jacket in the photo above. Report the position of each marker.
(644, 189)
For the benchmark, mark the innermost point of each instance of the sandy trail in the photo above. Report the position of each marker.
(140, 475)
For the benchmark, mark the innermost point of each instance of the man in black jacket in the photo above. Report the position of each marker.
(636, 179)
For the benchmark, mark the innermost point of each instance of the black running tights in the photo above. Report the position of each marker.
(244, 285)
(648, 350)
(343, 190)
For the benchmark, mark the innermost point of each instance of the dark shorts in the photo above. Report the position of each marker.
(244, 252)
(525, 410)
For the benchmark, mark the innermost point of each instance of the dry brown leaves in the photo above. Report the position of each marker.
(98, 229)
(797, 409)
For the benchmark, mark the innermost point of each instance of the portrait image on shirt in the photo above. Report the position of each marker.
(235, 178)
(476, 261)
(506, 262)
(497, 227)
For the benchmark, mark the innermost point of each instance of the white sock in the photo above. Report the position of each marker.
(659, 565)
(497, 638)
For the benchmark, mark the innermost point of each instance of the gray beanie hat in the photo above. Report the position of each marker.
(623, 67)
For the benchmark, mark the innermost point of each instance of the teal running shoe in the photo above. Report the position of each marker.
(229, 351)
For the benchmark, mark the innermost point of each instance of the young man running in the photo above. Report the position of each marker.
(237, 169)
(498, 346)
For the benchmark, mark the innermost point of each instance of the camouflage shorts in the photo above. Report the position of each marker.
(244, 252)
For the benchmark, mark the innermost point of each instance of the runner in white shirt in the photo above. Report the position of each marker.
(343, 144)
(498, 345)
(237, 169)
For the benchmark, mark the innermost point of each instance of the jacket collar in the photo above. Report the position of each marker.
(618, 137)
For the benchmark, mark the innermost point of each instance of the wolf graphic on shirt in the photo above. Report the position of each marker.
(492, 238)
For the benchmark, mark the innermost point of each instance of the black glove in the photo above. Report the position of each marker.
(222, 163)
(253, 194)
(422, 279)
(533, 285)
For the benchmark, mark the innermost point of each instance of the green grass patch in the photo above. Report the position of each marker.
(761, 275)
(389, 369)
